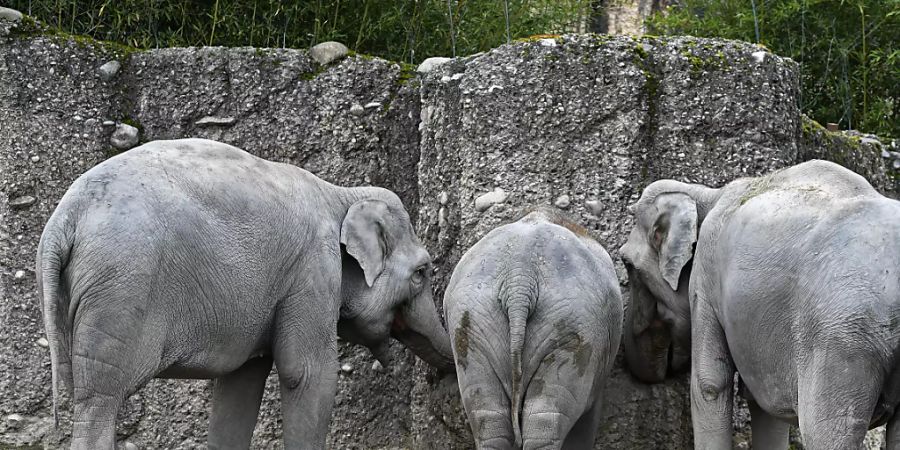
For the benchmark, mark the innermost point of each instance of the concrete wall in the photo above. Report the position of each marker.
(583, 122)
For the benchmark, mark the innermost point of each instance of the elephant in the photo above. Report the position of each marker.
(535, 317)
(191, 258)
(789, 280)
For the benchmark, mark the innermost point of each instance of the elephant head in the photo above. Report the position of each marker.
(386, 284)
(658, 256)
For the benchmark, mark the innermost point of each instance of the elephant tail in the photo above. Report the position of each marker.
(518, 308)
(52, 257)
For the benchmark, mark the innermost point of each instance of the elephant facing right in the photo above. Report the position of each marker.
(793, 281)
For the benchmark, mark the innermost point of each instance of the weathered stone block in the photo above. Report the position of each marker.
(595, 119)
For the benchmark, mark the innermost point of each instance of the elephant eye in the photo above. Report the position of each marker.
(419, 275)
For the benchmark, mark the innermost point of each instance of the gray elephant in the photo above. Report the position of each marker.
(794, 283)
(535, 316)
(194, 259)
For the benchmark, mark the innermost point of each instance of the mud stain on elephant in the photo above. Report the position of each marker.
(461, 339)
(536, 387)
(575, 344)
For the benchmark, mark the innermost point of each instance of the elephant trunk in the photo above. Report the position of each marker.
(647, 349)
(418, 327)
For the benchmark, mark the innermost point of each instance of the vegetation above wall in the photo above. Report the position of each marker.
(407, 31)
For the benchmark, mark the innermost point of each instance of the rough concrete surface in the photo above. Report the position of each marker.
(53, 104)
(594, 119)
(583, 122)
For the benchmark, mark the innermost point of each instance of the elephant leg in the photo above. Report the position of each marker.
(712, 379)
(839, 388)
(487, 408)
(307, 397)
(767, 431)
(305, 354)
(493, 431)
(584, 432)
(236, 400)
(94, 418)
(104, 374)
(892, 434)
(548, 417)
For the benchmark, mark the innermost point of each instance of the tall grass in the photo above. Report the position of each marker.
(403, 30)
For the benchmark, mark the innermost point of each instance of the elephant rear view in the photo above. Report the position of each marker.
(535, 313)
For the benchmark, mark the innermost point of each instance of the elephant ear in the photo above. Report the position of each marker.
(674, 234)
(363, 235)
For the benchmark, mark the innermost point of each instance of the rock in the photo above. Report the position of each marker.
(129, 446)
(109, 70)
(125, 137)
(19, 274)
(759, 56)
(442, 217)
(865, 158)
(562, 201)
(327, 52)
(485, 201)
(595, 207)
(869, 141)
(357, 110)
(372, 105)
(108, 123)
(14, 421)
(874, 439)
(443, 197)
(215, 121)
(91, 123)
(896, 164)
(347, 368)
(430, 63)
(23, 201)
(377, 367)
(548, 42)
(10, 14)
(42, 342)
(35, 158)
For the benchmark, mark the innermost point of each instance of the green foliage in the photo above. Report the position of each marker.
(408, 31)
(847, 49)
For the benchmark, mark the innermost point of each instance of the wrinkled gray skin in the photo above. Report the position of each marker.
(794, 283)
(194, 259)
(535, 316)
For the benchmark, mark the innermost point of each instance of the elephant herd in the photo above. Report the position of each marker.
(194, 259)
